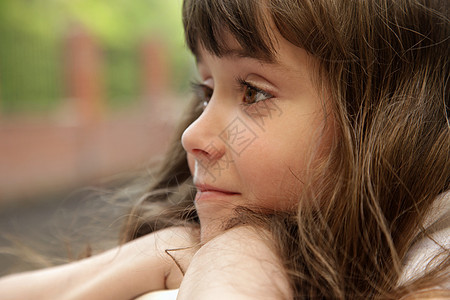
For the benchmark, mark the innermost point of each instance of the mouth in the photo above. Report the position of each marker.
(205, 191)
(210, 188)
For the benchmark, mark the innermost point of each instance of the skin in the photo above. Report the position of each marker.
(267, 170)
(247, 268)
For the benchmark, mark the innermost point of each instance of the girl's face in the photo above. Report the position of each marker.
(262, 124)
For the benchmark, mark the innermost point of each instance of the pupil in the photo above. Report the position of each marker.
(250, 94)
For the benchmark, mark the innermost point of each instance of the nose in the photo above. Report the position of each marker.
(202, 139)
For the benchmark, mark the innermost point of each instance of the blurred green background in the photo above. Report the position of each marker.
(33, 35)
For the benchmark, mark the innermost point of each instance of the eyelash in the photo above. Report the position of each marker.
(204, 93)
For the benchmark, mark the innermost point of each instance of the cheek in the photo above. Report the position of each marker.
(273, 177)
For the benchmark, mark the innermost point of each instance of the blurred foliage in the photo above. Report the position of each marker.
(32, 36)
(122, 76)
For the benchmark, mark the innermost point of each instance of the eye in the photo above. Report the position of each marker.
(203, 93)
(253, 94)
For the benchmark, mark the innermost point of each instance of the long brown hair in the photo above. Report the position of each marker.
(385, 64)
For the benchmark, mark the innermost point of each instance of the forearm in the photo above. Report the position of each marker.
(99, 277)
(122, 273)
(42, 284)
(239, 264)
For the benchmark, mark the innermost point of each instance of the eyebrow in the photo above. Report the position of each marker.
(241, 53)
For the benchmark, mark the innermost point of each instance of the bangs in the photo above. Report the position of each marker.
(207, 23)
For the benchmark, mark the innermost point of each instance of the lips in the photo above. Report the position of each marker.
(205, 191)
(210, 188)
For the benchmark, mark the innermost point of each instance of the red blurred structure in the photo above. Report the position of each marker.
(155, 71)
(83, 71)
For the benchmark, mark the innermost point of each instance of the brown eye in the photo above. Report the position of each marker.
(253, 94)
(206, 95)
(250, 95)
(203, 93)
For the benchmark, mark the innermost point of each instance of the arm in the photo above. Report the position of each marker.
(238, 264)
(122, 273)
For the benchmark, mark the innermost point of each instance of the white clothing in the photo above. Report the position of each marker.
(160, 295)
(420, 256)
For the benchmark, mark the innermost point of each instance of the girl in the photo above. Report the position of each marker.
(313, 163)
